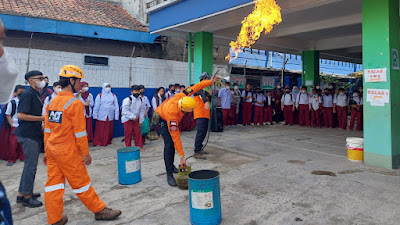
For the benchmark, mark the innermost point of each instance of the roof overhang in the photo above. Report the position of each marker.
(29, 24)
(333, 27)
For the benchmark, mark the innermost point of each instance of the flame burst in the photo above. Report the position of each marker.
(265, 14)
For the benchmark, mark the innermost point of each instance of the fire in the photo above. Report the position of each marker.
(265, 15)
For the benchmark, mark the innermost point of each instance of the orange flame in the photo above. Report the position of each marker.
(265, 14)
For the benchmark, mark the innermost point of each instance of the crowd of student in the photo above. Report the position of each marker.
(312, 107)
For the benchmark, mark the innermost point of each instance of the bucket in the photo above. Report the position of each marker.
(129, 165)
(204, 197)
(355, 149)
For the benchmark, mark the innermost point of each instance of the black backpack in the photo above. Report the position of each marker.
(13, 111)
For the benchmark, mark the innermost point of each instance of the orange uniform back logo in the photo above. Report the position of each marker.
(55, 116)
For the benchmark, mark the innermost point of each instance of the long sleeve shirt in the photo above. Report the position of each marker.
(8, 76)
(106, 106)
(226, 98)
(132, 109)
(172, 114)
(91, 104)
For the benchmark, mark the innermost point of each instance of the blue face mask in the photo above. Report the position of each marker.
(295, 91)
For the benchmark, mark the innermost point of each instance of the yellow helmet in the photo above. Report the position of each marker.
(187, 104)
(71, 71)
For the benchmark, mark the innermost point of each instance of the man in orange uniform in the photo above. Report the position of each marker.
(67, 152)
(202, 115)
(171, 113)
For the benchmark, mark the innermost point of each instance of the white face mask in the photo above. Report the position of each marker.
(159, 95)
(56, 90)
(341, 93)
(85, 89)
(236, 88)
(278, 87)
(232, 92)
(107, 90)
(227, 87)
(40, 84)
(330, 87)
(355, 94)
(303, 91)
(317, 87)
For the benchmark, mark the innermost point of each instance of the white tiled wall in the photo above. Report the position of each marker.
(150, 72)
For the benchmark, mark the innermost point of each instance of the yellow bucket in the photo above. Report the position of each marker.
(355, 149)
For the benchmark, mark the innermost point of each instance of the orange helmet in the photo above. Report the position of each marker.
(71, 71)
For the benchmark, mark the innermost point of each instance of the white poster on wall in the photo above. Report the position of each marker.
(375, 75)
(378, 97)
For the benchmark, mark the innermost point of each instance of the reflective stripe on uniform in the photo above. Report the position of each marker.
(47, 130)
(82, 189)
(80, 134)
(69, 103)
(54, 187)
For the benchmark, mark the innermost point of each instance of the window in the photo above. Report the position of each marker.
(96, 60)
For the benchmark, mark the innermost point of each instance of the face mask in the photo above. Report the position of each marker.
(108, 90)
(172, 91)
(258, 92)
(159, 95)
(360, 90)
(326, 93)
(56, 90)
(142, 92)
(236, 88)
(341, 93)
(303, 91)
(20, 94)
(287, 92)
(317, 87)
(85, 89)
(330, 87)
(232, 92)
(295, 91)
(355, 95)
(136, 95)
(278, 87)
(40, 84)
(227, 87)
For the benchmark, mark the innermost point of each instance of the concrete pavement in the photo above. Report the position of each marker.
(269, 175)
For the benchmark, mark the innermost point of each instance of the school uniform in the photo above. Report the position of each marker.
(226, 100)
(145, 105)
(15, 149)
(302, 102)
(357, 112)
(342, 103)
(259, 108)
(247, 107)
(269, 104)
(287, 100)
(237, 107)
(88, 114)
(105, 111)
(169, 94)
(132, 115)
(315, 106)
(327, 105)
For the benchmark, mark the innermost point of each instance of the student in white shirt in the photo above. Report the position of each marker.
(356, 110)
(158, 98)
(56, 88)
(341, 106)
(315, 108)
(133, 117)
(259, 99)
(145, 104)
(171, 91)
(327, 105)
(247, 104)
(287, 104)
(302, 105)
(14, 148)
(88, 100)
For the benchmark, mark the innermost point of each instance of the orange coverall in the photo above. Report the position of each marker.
(170, 112)
(66, 143)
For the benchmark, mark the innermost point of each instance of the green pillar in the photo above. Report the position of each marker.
(203, 54)
(310, 74)
(381, 123)
(190, 59)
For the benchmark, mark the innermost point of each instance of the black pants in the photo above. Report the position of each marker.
(202, 127)
(169, 148)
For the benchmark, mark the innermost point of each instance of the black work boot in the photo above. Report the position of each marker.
(107, 214)
(31, 202)
(63, 221)
(21, 198)
(199, 155)
(171, 181)
(176, 170)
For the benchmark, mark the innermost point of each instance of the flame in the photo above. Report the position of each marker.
(265, 15)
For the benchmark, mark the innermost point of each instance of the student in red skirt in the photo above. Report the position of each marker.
(105, 111)
(88, 100)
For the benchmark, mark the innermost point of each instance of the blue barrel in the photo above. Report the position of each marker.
(205, 197)
(129, 165)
